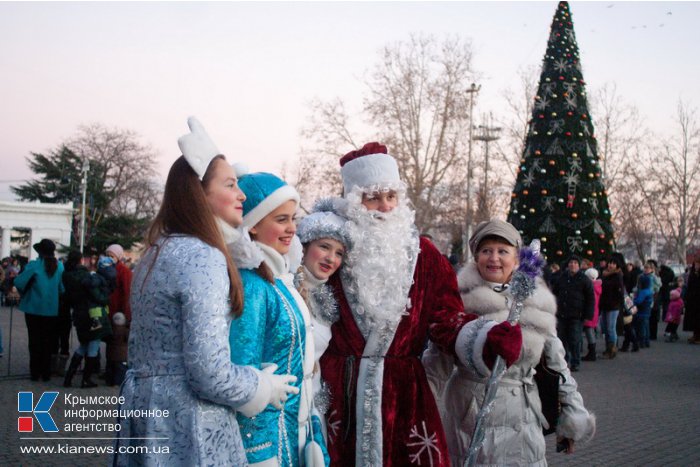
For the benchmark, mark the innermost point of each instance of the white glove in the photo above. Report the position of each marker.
(280, 385)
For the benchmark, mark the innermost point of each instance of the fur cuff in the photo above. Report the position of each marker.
(469, 346)
(271, 462)
(580, 427)
(261, 397)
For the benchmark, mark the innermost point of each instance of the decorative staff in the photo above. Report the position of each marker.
(521, 286)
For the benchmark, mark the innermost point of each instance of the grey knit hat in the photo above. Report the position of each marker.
(495, 228)
(323, 222)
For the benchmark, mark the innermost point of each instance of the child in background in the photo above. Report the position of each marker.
(106, 269)
(589, 326)
(673, 316)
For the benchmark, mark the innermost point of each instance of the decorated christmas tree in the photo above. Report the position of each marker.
(559, 196)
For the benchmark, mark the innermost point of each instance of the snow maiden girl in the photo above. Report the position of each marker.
(185, 289)
(275, 328)
(325, 242)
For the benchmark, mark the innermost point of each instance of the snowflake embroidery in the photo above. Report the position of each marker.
(426, 443)
(333, 425)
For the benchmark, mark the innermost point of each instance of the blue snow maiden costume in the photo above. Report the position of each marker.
(275, 328)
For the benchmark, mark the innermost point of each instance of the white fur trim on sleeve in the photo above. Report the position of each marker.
(579, 426)
(261, 397)
(469, 346)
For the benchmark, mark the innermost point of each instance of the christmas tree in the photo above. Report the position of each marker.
(559, 196)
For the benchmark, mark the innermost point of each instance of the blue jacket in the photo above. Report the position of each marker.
(269, 331)
(644, 298)
(41, 297)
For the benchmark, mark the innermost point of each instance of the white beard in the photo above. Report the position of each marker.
(378, 271)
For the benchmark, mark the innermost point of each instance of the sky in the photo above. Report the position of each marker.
(248, 70)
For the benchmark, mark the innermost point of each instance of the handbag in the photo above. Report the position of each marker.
(547, 381)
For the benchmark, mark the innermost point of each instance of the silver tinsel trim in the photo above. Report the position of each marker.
(371, 424)
(323, 399)
(323, 304)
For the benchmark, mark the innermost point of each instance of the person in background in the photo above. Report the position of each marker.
(691, 322)
(590, 326)
(85, 291)
(611, 299)
(40, 286)
(643, 299)
(575, 304)
(668, 281)
(631, 275)
(655, 311)
(118, 350)
(673, 315)
(118, 299)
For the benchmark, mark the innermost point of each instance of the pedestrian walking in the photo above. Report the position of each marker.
(40, 286)
(673, 315)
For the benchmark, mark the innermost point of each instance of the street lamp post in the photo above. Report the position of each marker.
(468, 218)
(85, 169)
(486, 134)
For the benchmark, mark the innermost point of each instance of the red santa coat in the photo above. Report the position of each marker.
(412, 431)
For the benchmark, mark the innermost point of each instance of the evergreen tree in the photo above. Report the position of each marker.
(121, 195)
(559, 196)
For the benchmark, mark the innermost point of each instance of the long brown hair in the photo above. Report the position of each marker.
(185, 210)
(50, 264)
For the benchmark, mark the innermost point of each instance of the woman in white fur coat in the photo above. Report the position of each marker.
(514, 427)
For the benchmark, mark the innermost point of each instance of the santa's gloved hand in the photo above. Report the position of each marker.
(505, 340)
(281, 385)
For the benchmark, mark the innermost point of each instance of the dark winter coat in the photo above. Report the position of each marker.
(691, 322)
(613, 292)
(85, 290)
(667, 278)
(575, 297)
(631, 278)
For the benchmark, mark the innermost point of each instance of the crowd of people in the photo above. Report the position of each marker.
(343, 338)
(90, 294)
(624, 302)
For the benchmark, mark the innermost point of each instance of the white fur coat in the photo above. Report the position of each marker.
(514, 428)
